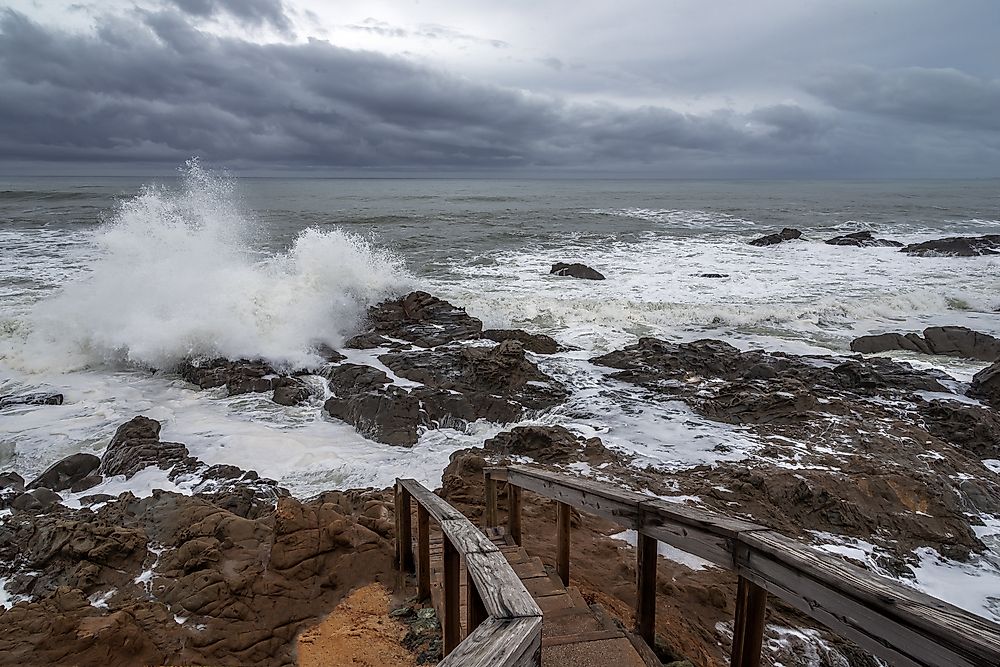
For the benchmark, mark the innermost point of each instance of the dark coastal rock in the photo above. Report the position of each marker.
(328, 354)
(713, 275)
(388, 415)
(786, 234)
(986, 385)
(460, 385)
(31, 399)
(970, 427)
(36, 500)
(290, 391)
(545, 444)
(11, 486)
(73, 472)
(957, 246)
(419, 318)
(537, 343)
(863, 240)
(948, 341)
(239, 377)
(136, 445)
(576, 270)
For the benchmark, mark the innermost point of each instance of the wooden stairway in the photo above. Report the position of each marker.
(573, 632)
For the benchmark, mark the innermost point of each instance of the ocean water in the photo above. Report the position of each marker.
(105, 280)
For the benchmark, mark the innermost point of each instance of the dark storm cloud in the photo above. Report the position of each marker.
(149, 86)
(250, 12)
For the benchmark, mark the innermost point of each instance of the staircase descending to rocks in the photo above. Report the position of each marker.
(573, 632)
(499, 606)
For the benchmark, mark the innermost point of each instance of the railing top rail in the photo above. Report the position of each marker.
(495, 642)
(503, 594)
(892, 621)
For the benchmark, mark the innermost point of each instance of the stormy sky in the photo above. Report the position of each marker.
(671, 88)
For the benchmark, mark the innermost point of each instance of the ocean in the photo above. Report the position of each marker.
(107, 283)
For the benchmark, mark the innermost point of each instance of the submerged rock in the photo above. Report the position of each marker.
(576, 270)
(863, 240)
(290, 391)
(957, 246)
(31, 399)
(537, 343)
(948, 341)
(786, 234)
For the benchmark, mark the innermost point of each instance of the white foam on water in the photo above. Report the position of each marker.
(973, 586)
(176, 276)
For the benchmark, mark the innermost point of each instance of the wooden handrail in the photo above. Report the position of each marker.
(504, 625)
(895, 623)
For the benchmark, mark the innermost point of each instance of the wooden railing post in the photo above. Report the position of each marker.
(514, 513)
(748, 631)
(423, 553)
(490, 516)
(452, 596)
(645, 610)
(404, 534)
(475, 610)
(563, 517)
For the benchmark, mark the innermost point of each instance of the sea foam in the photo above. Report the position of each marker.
(176, 276)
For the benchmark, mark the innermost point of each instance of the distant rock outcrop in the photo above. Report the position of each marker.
(786, 234)
(957, 246)
(576, 270)
(863, 240)
(31, 399)
(947, 341)
(537, 343)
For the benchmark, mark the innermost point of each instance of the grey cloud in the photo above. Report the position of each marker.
(936, 96)
(250, 12)
(423, 30)
(152, 87)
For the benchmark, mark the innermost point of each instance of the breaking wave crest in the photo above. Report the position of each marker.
(177, 276)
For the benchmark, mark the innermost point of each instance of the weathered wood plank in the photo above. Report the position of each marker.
(502, 592)
(405, 535)
(423, 553)
(514, 513)
(500, 643)
(490, 515)
(434, 504)
(595, 497)
(563, 518)
(645, 572)
(748, 630)
(451, 623)
(466, 538)
(895, 623)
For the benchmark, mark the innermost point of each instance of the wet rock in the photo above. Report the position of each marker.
(957, 246)
(347, 379)
(68, 473)
(863, 240)
(95, 499)
(948, 341)
(419, 318)
(537, 343)
(576, 270)
(36, 500)
(786, 234)
(136, 445)
(986, 385)
(388, 415)
(545, 444)
(713, 275)
(290, 391)
(31, 399)
(238, 377)
(328, 354)
(11, 486)
(970, 427)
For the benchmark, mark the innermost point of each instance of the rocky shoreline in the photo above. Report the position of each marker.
(227, 567)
